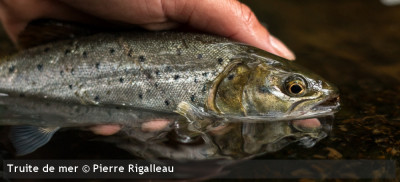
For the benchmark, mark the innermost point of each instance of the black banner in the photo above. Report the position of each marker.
(166, 169)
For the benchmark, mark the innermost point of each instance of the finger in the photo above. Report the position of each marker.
(228, 18)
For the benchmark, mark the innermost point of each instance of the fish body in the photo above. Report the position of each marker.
(198, 82)
(153, 71)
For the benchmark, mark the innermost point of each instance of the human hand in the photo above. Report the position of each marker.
(228, 18)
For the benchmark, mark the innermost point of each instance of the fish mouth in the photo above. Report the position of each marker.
(324, 107)
(330, 104)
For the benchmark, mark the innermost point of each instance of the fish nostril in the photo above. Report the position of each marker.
(337, 99)
(331, 101)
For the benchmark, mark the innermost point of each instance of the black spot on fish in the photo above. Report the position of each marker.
(199, 56)
(205, 74)
(168, 69)
(263, 89)
(84, 54)
(97, 98)
(166, 102)
(21, 95)
(70, 86)
(62, 73)
(204, 88)
(112, 51)
(67, 51)
(121, 80)
(140, 96)
(39, 67)
(130, 53)
(220, 60)
(47, 104)
(192, 98)
(72, 71)
(178, 52)
(46, 49)
(156, 84)
(117, 108)
(97, 65)
(142, 58)
(11, 69)
(147, 73)
(108, 92)
(157, 72)
(176, 77)
(231, 76)
(195, 80)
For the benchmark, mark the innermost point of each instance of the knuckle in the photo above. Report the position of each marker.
(247, 16)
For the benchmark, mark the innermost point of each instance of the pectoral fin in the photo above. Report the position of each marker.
(26, 139)
(198, 120)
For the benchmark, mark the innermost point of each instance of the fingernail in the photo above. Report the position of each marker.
(281, 48)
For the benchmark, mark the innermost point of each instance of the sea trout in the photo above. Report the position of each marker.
(200, 83)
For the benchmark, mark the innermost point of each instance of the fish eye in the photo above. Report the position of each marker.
(295, 87)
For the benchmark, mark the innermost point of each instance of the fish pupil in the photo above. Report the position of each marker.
(296, 89)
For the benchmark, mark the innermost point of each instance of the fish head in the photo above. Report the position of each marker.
(278, 88)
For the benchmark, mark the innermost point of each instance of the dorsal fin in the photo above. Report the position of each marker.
(43, 31)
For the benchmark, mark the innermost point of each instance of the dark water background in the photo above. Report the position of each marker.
(352, 43)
